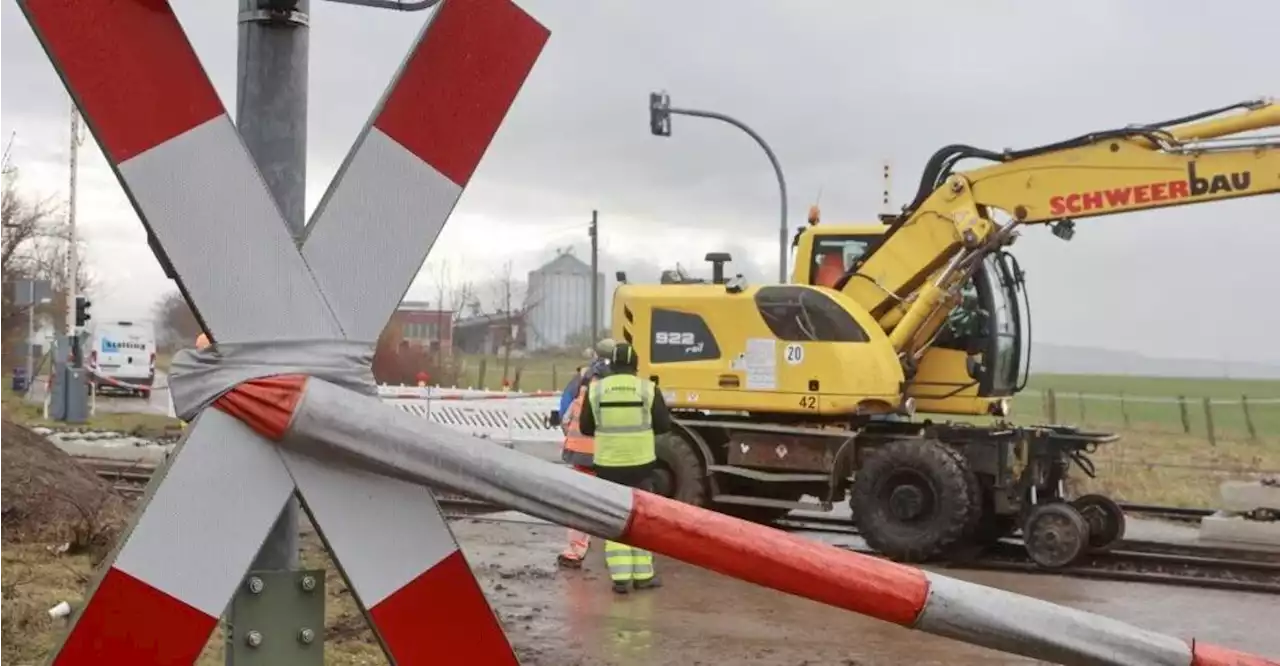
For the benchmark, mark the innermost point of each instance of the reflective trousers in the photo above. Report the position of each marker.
(579, 542)
(625, 562)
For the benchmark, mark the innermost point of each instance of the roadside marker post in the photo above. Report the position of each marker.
(154, 112)
(287, 375)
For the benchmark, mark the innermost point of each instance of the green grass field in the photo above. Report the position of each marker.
(1152, 403)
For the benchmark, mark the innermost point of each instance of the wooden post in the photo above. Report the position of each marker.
(1080, 397)
(1124, 411)
(1186, 416)
(555, 380)
(1248, 418)
(1053, 406)
(480, 374)
(515, 382)
(1208, 421)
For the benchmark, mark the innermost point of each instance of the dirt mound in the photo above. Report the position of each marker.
(48, 496)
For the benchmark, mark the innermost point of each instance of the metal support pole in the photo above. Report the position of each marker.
(271, 100)
(777, 169)
(595, 280)
(31, 331)
(73, 244)
(271, 115)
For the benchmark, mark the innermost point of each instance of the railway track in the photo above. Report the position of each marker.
(1131, 560)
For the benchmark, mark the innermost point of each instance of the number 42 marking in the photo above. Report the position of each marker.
(809, 401)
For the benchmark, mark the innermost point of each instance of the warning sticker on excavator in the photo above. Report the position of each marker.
(794, 354)
(762, 365)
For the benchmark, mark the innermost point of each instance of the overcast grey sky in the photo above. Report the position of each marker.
(835, 87)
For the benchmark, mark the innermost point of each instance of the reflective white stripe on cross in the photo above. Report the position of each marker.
(161, 125)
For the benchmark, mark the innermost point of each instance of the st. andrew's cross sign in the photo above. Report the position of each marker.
(154, 112)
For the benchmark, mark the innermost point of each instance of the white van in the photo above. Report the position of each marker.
(123, 351)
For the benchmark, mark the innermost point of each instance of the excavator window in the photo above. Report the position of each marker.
(966, 327)
(801, 314)
(833, 255)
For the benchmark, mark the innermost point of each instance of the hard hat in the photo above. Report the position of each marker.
(623, 356)
(605, 347)
(202, 341)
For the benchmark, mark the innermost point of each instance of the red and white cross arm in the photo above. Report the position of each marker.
(151, 107)
(320, 419)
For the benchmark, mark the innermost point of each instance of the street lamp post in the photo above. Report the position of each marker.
(660, 111)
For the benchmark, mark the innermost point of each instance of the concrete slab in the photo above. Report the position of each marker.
(150, 454)
(1245, 496)
(1236, 529)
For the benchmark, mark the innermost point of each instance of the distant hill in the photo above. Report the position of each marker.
(1069, 360)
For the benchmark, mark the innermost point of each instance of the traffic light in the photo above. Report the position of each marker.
(660, 114)
(82, 310)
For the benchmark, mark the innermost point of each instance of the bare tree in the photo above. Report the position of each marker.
(34, 247)
(176, 324)
(456, 297)
(511, 303)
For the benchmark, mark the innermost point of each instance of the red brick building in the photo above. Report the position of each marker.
(423, 326)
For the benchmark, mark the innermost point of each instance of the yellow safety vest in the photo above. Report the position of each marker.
(623, 409)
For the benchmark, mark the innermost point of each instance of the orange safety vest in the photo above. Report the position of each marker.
(578, 448)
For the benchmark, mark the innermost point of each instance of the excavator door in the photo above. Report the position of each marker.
(981, 356)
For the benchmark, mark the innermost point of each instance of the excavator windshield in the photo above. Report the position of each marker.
(987, 325)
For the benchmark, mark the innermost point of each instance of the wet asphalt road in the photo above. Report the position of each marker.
(571, 617)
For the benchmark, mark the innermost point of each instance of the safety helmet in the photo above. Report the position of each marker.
(624, 356)
(604, 348)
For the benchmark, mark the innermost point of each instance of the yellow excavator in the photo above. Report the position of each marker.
(818, 388)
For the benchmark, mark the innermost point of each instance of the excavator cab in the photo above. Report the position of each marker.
(979, 360)
(778, 349)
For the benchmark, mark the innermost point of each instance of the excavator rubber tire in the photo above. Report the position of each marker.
(977, 511)
(941, 485)
(678, 459)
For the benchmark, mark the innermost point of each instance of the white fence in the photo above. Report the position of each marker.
(520, 421)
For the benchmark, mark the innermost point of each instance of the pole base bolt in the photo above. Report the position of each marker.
(308, 583)
(253, 639)
(256, 585)
(306, 636)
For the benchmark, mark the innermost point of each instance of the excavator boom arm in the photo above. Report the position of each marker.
(933, 246)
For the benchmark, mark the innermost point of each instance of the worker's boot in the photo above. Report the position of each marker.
(648, 583)
(621, 587)
(567, 562)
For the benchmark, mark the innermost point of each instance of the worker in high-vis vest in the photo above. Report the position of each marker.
(624, 414)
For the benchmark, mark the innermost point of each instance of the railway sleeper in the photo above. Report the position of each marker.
(918, 491)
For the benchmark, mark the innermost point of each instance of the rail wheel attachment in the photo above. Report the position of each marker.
(1055, 535)
(912, 501)
(1105, 519)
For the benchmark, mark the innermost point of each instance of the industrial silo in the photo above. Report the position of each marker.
(560, 302)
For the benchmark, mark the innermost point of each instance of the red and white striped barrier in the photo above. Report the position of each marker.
(315, 417)
(454, 393)
(100, 377)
